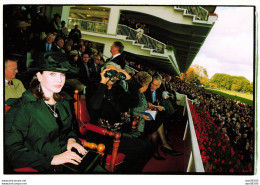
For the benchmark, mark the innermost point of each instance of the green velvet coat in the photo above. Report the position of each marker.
(32, 135)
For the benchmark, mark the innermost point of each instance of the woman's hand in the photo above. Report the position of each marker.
(150, 105)
(73, 144)
(104, 79)
(146, 118)
(66, 157)
(159, 108)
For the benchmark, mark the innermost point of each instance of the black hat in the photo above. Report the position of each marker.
(53, 61)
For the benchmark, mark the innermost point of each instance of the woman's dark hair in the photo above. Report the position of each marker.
(142, 78)
(34, 87)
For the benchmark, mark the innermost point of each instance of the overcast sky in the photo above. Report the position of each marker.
(229, 46)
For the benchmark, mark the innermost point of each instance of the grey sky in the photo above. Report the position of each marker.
(229, 46)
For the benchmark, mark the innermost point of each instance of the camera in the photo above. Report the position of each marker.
(113, 73)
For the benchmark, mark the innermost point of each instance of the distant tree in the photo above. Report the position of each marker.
(183, 76)
(234, 83)
(190, 75)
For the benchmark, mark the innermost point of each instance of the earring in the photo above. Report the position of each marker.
(39, 88)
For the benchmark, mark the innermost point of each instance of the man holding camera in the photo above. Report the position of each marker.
(114, 95)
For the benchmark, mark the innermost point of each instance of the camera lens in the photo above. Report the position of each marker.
(110, 73)
(120, 76)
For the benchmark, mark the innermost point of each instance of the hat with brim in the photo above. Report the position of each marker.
(23, 24)
(53, 61)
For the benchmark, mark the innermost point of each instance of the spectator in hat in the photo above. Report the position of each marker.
(54, 25)
(21, 37)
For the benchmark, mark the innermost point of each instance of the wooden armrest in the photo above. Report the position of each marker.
(100, 147)
(99, 130)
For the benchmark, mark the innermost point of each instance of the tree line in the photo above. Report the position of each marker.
(198, 75)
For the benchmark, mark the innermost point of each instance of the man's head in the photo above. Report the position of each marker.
(82, 48)
(60, 42)
(85, 57)
(168, 78)
(76, 27)
(50, 38)
(10, 68)
(117, 48)
(96, 59)
(63, 23)
(156, 83)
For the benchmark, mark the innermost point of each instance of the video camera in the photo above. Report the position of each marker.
(113, 73)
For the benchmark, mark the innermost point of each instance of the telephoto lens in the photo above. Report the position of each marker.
(120, 76)
(110, 73)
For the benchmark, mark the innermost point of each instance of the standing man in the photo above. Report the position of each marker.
(13, 87)
(116, 50)
(75, 34)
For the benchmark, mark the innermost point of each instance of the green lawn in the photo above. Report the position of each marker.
(243, 97)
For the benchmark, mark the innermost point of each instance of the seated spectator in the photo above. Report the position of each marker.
(58, 45)
(46, 114)
(13, 87)
(47, 43)
(147, 126)
(95, 69)
(108, 101)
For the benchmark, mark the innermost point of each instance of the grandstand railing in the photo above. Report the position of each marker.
(192, 158)
(86, 25)
(200, 12)
(101, 27)
(148, 42)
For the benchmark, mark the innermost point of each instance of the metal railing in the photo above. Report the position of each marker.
(200, 12)
(147, 41)
(194, 163)
(86, 25)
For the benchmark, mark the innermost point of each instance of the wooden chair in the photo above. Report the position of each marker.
(100, 149)
(114, 159)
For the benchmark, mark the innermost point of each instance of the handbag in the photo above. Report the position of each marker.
(89, 161)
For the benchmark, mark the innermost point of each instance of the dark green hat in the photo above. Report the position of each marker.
(53, 61)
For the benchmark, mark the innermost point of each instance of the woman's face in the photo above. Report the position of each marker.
(51, 82)
(144, 88)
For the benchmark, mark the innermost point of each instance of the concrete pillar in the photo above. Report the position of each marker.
(65, 14)
(114, 17)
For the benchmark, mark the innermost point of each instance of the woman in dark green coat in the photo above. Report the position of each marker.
(38, 128)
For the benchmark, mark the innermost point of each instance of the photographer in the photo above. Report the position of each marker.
(114, 95)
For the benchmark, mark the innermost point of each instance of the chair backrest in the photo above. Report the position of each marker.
(83, 114)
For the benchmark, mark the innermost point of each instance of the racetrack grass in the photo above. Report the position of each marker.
(242, 97)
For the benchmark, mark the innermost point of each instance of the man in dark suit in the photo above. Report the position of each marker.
(95, 69)
(154, 93)
(83, 65)
(47, 44)
(116, 50)
(58, 45)
(154, 100)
